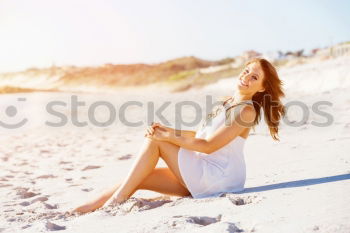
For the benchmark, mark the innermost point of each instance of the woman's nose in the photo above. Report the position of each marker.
(245, 78)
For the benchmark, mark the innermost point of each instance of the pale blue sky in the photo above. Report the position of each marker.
(37, 33)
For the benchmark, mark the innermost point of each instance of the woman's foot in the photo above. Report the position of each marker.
(83, 209)
(116, 200)
(92, 205)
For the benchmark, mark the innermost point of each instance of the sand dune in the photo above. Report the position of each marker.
(109, 76)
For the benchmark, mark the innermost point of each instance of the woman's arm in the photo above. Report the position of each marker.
(177, 132)
(220, 138)
(185, 133)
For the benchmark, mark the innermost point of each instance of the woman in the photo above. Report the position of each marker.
(210, 161)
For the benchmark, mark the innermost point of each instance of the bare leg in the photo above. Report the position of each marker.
(147, 149)
(142, 167)
(97, 202)
(160, 180)
(144, 175)
(164, 181)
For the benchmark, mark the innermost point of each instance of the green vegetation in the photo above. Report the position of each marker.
(182, 75)
(200, 80)
(226, 61)
(280, 62)
(9, 89)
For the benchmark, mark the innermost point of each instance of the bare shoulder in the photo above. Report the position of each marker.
(248, 113)
(243, 115)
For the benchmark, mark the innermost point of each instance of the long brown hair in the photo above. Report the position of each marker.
(269, 99)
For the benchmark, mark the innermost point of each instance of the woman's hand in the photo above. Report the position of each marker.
(150, 129)
(158, 132)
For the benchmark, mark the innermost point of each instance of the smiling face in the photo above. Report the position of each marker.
(251, 79)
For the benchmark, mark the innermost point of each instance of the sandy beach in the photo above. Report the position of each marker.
(300, 184)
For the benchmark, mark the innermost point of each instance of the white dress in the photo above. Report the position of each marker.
(211, 175)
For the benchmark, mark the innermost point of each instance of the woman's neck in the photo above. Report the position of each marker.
(237, 98)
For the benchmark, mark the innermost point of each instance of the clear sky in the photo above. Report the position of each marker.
(39, 33)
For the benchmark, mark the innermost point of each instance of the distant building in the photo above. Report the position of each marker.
(337, 50)
(340, 49)
(242, 59)
(250, 54)
(273, 56)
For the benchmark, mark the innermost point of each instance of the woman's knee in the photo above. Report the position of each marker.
(151, 141)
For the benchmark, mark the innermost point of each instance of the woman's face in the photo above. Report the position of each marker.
(250, 79)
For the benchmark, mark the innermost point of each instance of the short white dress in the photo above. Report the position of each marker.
(211, 175)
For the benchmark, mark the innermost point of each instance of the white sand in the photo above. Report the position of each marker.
(300, 184)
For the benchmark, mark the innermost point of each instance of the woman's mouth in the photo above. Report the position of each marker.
(243, 83)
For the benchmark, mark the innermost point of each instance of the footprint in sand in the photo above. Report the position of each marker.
(227, 227)
(135, 205)
(41, 199)
(9, 210)
(125, 157)
(50, 207)
(140, 204)
(201, 223)
(54, 227)
(203, 220)
(21, 164)
(68, 169)
(46, 176)
(13, 171)
(181, 220)
(26, 226)
(5, 185)
(45, 151)
(11, 219)
(90, 167)
(87, 189)
(243, 200)
(24, 203)
(24, 193)
(27, 203)
(64, 162)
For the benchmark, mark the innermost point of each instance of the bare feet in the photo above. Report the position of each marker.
(83, 209)
(92, 205)
(116, 200)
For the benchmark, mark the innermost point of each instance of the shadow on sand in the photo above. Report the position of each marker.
(296, 183)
